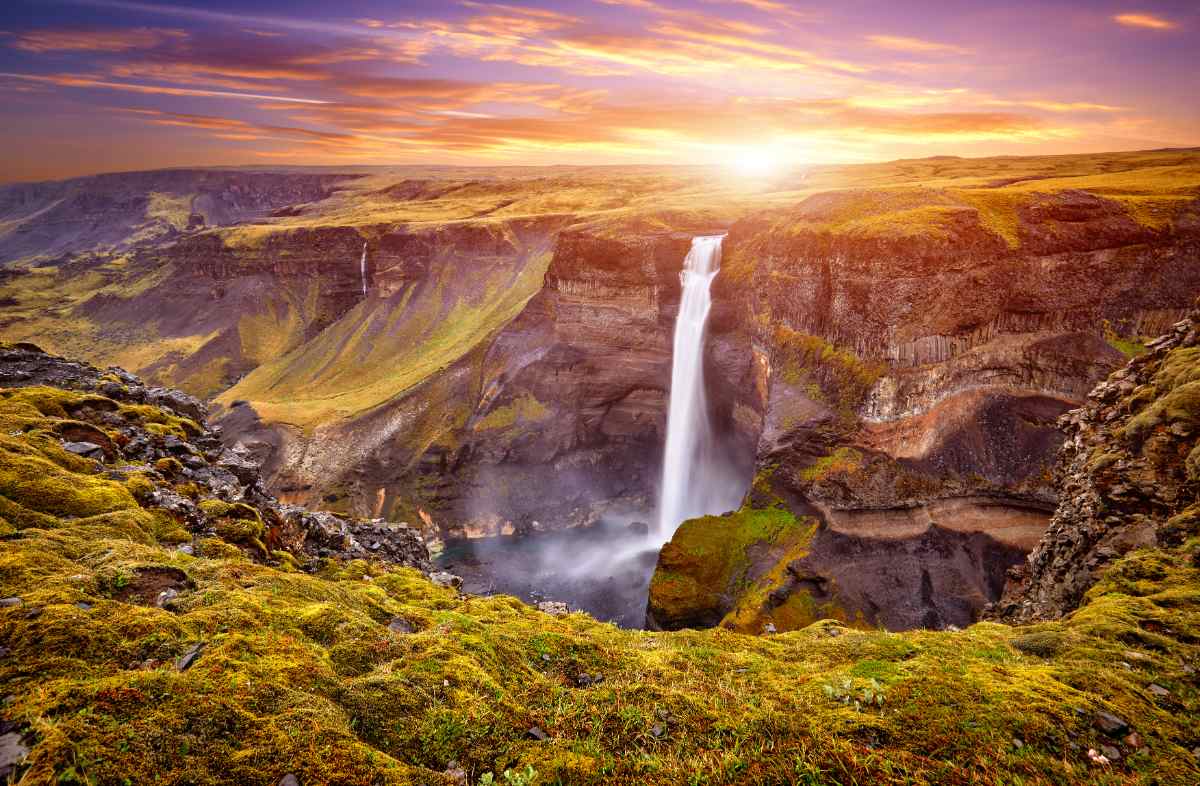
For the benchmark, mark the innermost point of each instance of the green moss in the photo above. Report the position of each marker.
(236, 522)
(159, 421)
(168, 466)
(40, 485)
(841, 461)
(525, 410)
(841, 377)
(300, 673)
(1181, 405)
(708, 561)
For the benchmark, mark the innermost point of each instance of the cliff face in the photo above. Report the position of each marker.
(563, 414)
(888, 362)
(1128, 477)
(914, 378)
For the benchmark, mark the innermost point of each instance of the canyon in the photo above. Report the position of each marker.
(486, 354)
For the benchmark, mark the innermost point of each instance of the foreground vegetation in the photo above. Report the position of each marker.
(364, 673)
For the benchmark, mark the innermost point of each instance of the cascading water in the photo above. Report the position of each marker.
(687, 470)
(362, 269)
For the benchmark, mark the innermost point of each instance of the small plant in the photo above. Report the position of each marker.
(524, 777)
(844, 692)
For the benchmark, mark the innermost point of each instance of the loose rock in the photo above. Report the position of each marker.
(1110, 724)
(185, 661)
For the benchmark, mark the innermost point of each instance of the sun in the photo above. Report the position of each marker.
(755, 162)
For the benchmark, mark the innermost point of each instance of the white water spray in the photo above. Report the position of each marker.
(362, 269)
(688, 474)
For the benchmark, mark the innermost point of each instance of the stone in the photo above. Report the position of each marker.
(166, 596)
(1110, 724)
(444, 579)
(553, 608)
(657, 731)
(1158, 690)
(239, 464)
(1133, 740)
(535, 733)
(456, 773)
(289, 780)
(13, 750)
(1110, 752)
(185, 661)
(401, 625)
(85, 449)
(769, 628)
(6, 603)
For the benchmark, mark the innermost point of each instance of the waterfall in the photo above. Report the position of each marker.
(688, 480)
(362, 269)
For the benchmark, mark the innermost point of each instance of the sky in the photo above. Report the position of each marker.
(91, 86)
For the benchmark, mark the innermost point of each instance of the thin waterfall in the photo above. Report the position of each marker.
(362, 269)
(687, 470)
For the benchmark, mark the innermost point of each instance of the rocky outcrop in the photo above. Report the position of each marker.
(154, 441)
(1128, 477)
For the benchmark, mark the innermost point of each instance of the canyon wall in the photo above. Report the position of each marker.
(914, 381)
(886, 364)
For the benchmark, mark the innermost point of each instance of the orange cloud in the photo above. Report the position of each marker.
(95, 40)
(915, 45)
(1144, 20)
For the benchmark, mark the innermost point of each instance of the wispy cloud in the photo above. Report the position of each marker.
(1145, 20)
(915, 45)
(92, 40)
(73, 80)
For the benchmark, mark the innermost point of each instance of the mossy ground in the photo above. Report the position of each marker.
(299, 671)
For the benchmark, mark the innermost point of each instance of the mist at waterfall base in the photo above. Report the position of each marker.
(605, 569)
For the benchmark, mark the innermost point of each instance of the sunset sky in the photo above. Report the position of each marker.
(101, 85)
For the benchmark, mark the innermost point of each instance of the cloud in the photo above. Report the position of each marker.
(91, 40)
(74, 80)
(1145, 21)
(915, 45)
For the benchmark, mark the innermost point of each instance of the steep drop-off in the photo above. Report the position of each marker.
(164, 622)
(915, 360)
(889, 345)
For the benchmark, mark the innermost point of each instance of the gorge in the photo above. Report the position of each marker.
(802, 445)
(883, 364)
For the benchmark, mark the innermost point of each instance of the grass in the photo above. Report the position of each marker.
(299, 671)
(382, 348)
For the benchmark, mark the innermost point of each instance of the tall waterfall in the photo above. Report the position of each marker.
(362, 269)
(687, 479)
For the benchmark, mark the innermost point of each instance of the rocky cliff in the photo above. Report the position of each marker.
(1128, 477)
(124, 459)
(915, 364)
(482, 351)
